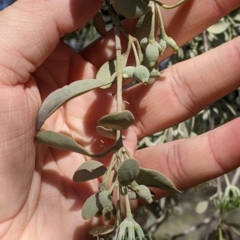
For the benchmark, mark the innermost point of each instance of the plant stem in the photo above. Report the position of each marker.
(236, 177)
(205, 41)
(227, 180)
(118, 206)
(162, 29)
(104, 184)
(128, 206)
(151, 37)
(119, 65)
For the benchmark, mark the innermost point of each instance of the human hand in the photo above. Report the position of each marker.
(38, 198)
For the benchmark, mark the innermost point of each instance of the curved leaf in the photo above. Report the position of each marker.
(89, 170)
(152, 178)
(102, 230)
(91, 207)
(120, 120)
(143, 26)
(131, 9)
(107, 70)
(60, 141)
(62, 95)
(99, 24)
(219, 27)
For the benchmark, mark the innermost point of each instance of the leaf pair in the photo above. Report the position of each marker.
(130, 171)
(97, 204)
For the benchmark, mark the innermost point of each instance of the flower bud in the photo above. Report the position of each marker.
(144, 193)
(144, 42)
(128, 71)
(162, 46)
(171, 43)
(152, 53)
(142, 74)
(105, 200)
(128, 172)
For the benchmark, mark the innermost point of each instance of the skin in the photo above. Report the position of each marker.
(38, 199)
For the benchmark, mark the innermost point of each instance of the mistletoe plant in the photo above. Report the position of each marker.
(123, 177)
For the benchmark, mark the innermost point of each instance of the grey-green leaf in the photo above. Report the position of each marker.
(152, 178)
(143, 26)
(99, 24)
(232, 218)
(106, 71)
(62, 95)
(91, 207)
(131, 9)
(120, 120)
(60, 141)
(89, 170)
(128, 171)
(219, 27)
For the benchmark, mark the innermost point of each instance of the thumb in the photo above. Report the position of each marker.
(31, 29)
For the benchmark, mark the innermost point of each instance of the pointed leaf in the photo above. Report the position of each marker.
(128, 171)
(99, 24)
(102, 230)
(152, 178)
(89, 170)
(143, 26)
(91, 207)
(108, 69)
(219, 27)
(60, 141)
(62, 95)
(232, 218)
(120, 120)
(131, 9)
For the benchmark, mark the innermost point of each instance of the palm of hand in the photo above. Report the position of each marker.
(48, 199)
